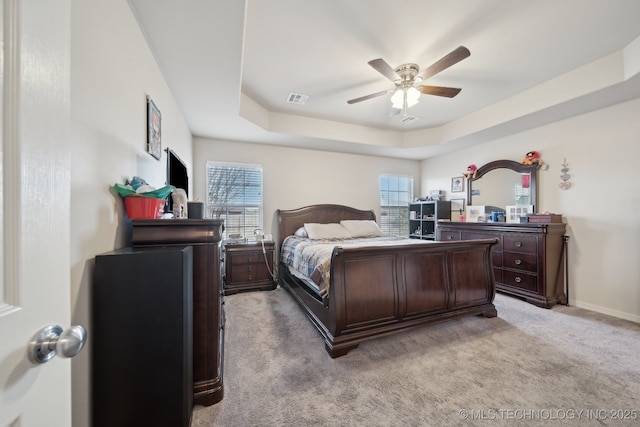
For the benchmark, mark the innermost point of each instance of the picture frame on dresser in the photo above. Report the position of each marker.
(515, 212)
(475, 213)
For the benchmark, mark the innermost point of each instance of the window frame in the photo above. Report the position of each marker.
(244, 227)
(401, 226)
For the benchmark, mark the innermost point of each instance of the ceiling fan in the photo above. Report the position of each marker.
(408, 78)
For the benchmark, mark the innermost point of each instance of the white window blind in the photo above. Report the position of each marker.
(395, 194)
(234, 194)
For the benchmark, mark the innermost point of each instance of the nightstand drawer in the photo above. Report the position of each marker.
(247, 258)
(248, 273)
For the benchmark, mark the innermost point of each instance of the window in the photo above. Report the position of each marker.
(234, 194)
(395, 194)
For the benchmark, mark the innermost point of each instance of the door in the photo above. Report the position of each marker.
(35, 188)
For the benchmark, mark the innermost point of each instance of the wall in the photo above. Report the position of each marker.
(112, 71)
(601, 208)
(296, 177)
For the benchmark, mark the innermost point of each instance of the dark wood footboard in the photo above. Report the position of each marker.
(376, 291)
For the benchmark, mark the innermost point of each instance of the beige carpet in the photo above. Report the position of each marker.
(528, 366)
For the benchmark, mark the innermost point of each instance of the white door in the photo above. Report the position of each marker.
(35, 188)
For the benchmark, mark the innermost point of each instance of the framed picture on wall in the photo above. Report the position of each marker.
(154, 132)
(457, 184)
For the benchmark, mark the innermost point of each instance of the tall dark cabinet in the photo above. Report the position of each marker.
(142, 371)
(204, 236)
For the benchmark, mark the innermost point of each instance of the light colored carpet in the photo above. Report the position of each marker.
(528, 366)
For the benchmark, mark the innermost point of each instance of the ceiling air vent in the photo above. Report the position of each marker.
(409, 119)
(297, 98)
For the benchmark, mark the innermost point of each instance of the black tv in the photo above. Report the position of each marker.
(177, 175)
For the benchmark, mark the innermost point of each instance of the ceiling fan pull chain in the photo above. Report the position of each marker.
(404, 103)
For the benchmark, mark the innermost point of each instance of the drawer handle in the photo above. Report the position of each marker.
(518, 280)
(518, 262)
(250, 259)
(250, 268)
(518, 244)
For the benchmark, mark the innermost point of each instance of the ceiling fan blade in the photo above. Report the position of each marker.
(445, 62)
(448, 92)
(373, 95)
(381, 66)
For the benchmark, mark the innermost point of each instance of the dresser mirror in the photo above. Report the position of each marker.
(503, 183)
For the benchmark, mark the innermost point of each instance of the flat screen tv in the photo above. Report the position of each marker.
(177, 175)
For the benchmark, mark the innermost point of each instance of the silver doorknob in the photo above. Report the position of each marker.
(51, 340)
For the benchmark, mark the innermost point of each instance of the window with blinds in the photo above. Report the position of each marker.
(234, 194)
(395, 194)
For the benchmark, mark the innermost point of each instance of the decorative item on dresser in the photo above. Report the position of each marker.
(527, 261)
(204, 235)
(424, 217)
(247, 267)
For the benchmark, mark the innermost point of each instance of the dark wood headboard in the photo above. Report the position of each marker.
(290, 220)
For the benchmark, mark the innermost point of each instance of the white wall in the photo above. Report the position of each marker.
(601, 208)
(294, 178)
(112, 71)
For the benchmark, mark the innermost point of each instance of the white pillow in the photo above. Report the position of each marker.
(326, 231)
(361, 228)
(301, 232)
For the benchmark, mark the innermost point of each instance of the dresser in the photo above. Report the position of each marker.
(142, 370)
(247, 267)
(528, 261)
(204, 236)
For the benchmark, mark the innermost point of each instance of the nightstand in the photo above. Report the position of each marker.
(246, 269)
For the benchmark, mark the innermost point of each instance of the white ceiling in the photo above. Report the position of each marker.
(231, 66)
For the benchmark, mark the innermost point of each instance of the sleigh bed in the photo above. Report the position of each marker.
(381, 288)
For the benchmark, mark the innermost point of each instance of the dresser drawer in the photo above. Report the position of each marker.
(520, 280)
(497, 275)
(466, 235)
(449, 235)
(520, 243)
(496, 258)
(520, 261)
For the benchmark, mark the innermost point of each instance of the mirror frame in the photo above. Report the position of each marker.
(511, 165)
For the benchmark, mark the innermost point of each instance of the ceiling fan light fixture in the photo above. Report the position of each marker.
(413, 96)
(397, 99)
(409, 95)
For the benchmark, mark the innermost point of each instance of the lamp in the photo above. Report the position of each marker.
(405, 97)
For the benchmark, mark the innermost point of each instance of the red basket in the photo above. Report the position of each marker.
(139, 207)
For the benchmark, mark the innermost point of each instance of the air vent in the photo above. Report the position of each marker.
(297, 98)
(409, 119)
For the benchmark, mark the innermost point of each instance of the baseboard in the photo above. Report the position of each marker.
(604, 310)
